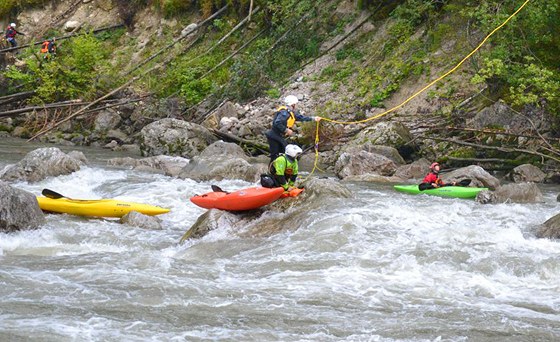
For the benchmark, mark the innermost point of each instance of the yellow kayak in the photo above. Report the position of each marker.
(97, 208)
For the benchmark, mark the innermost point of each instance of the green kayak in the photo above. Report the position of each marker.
(446, 191)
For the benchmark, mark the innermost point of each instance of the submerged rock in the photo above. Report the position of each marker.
(137, 219)
(18, 209)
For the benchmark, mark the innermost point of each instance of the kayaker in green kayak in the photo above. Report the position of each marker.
(432, 180)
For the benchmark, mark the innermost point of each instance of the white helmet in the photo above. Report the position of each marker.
(291, 100)
(293, 151)
(13, 25)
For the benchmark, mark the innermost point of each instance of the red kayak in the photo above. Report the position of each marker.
(244, 199)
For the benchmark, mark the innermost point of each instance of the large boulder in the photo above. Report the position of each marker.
(281, 215)
(392, 134)
(222, 167)
(363, 162)
(386, 151)
(174, 137)
(222, 160)
(527, 173)
(512, 193)
(478, 176)
(221, 148)
(550, 229)
(415, 170)
(42, 163)
(18, 209)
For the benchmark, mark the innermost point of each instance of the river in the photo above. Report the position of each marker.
(383, 266)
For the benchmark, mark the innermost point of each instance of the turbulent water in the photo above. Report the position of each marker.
(383, 266)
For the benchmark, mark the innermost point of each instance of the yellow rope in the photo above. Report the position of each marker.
(415, 94)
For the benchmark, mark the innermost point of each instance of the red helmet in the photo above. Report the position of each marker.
(433, 166)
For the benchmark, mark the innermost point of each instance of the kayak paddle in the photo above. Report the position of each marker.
(464, 182)
(216, 188)
(52, 194)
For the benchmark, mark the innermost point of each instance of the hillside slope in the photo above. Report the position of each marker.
(344, 62)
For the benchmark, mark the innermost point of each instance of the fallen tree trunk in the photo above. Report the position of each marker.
(496, 148)
(240, 141)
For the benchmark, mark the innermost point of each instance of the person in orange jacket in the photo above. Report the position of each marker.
(48, 48)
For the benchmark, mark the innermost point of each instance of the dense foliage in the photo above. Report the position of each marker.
(523, 60)
(520, 63)
(74, 74)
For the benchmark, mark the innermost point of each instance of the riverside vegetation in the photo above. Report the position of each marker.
(370, 55)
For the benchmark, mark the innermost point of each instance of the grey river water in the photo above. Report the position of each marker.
(383, 266)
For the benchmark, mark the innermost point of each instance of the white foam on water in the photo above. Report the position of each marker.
(382, 266)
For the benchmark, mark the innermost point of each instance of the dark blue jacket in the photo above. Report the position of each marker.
(280, 121)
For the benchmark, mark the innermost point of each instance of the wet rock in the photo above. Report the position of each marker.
(19, 210)
(281, 215)
(512, 193)
(354, 164)
(222, 167)
(221, 148)
(417, 170)
(170, 166)
(527, 173)
(550, 229)
(112, 145)
(137, 219)
(78, 155)
(174, 137)
(479, 177)
(40, 164)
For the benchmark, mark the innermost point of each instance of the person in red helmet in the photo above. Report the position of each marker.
(432, 179)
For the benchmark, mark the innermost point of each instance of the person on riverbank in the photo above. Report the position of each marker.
(284, 169)
(48, 48)
(11, 33)
(432, 180)
(282, 123)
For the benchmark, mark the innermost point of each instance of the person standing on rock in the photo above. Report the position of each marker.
(282, 123)
(11, 33)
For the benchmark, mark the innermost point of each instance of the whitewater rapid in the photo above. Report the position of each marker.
(382, 266)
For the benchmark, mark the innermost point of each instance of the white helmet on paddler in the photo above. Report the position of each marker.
(291, 100)
(293, 151)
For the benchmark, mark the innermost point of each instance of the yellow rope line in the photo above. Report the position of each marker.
(415, 94)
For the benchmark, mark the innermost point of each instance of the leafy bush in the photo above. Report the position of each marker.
(73, 74)
(523, 60)
(9, 6)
